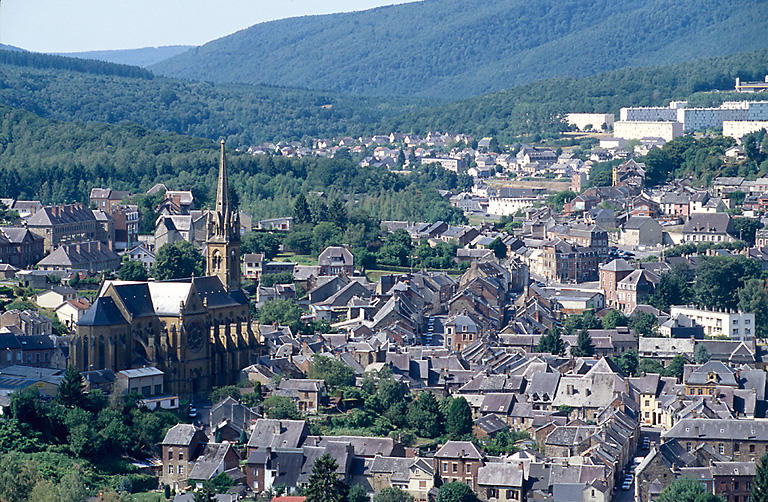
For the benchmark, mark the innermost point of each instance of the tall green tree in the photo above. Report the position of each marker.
(760, 484)
(718, 279)
(673, 289)
(584, 346)
(178, 260)
(753, 298)
(458, 421)
(644, 323)
(71, 388)
(424, 416)
(701, 354)
(499, 248)
(551, 342)
(358, 494)
(627, 362)
(324, 484)
(301, 212)
(613, 319)
(334, 372)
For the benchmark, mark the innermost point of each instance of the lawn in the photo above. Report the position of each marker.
(301, 259)
(153, 496)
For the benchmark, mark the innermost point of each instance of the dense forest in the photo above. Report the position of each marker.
(246, 114)
(35, 60)
(243, 114)
(60, 161)
(459, 48)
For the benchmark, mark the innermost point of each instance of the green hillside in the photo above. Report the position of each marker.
(249, 114)
(243, 114)
(459, 48)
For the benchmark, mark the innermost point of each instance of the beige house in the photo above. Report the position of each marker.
(640, 231)
(413, 475)
(55, 296)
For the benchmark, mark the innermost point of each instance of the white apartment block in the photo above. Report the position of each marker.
(694, 119)
(504, 206)
(734, 325)
(449, 164)
(596, 120)
(647, 129)
(737, 129)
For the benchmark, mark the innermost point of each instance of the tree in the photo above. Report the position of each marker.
(628, 362)
(687, 490)
(718, 279)
(324, 484)
(358, 494)
(701, 354)
(72, 488)
(746, 228)
(456, 492)
(673, 289)
(178, 260)
(644, 323)
(584, 346)
(551, 342)
(132, 270)
(650, 366)
(205, 494)
(301, 211)
(261, 242)
(424, 416)
(219, 393)
(753, 297)
(337, 212)
(760, 488)
(499, 248)
(335, 373)
(458, 422)
(392, 494)
(283, 312)
(613, 319)
(17, 477)
(281, 408)
(71, 388)
(676, 367)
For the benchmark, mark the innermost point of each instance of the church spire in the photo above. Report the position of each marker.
(222, 191)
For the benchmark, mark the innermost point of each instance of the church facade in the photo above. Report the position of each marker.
(196, 330)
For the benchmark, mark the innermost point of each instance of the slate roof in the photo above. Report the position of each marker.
(277, 433)
(103, 312)
(725, 429)
(500, 474)
(211, 458)
(179, 435)
(699, 376)
(459, 449)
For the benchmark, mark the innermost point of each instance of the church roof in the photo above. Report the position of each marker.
(103, 312)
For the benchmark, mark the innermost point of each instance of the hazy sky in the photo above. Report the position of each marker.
(80, 25)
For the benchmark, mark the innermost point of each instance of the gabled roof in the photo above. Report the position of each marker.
(103, 312)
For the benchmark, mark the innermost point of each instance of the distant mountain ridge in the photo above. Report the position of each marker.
(144, 56)
(459, 48)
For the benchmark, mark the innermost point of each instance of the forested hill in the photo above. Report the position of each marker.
(244, 114)
(249, 114)
(537, 108)
(459, 48)
(41, 61)
(144, 56)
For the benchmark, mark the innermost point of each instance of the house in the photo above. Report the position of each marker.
(739, 440)
(308, 393)
(735, 325)
(214, 459)
(412, 475)
(55, 296)
(143, 255)
(180, 446)
(106, 199)
(70, 312)
(283, 224)
(640, 231)
(460, 331)
(708, 227)
(92, 256)
(230, 418)
(252, 265)
(70, 223)
(146, 381)
(336, 260)
(501, 482)
(733, 481)
(459, 461)
(20, 247)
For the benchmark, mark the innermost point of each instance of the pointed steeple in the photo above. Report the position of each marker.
(222, 190)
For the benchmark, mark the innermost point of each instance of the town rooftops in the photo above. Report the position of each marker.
(721, 429)
(459, 449)
(179, 435)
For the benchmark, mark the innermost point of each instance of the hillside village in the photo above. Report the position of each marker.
(572, 341)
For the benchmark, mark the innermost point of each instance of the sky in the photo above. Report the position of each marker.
(84, 25)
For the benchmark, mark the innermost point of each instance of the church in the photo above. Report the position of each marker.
(196, 330)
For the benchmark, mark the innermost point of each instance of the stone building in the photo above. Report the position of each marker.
(196, 330)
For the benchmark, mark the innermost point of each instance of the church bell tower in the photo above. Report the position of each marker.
(223, 243)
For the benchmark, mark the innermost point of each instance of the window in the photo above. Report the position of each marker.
(468, 468)
(158, 389)
(422, 484)
(170, 469)
(170, 453)
(181, 455)
(445, 466)
(455, 467)
(751, 448)
(181, 469)
(736, 447)
(721, 448)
